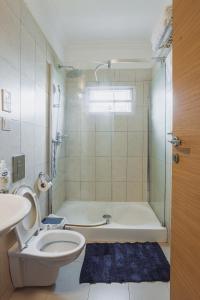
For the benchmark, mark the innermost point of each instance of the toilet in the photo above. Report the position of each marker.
(36, 258)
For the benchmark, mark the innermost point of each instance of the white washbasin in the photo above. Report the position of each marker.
(13, 209)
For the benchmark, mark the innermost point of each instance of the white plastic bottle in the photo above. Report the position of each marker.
(4, 177)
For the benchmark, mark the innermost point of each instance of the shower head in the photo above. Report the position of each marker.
(72, 73)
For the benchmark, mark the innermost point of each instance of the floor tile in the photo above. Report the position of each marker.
(149, 291)
(80, 293)
(68, 278)
(166, 250)
(115, 291)
(30, 294)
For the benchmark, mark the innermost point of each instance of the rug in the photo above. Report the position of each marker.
(124, 262)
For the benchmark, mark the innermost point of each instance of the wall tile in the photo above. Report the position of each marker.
(119, 123)
(27, 100)
(135, 144)
(134, 191)
(41, 67)
(73, 144)
(87, 190)
(73, 190)
(73, 169)
(119, 191)
(27, 54)
(136, 119)
(9, 36)
(103, 191)
(117, 139)
(119, 169)
(119, 144)
(104, 122)
(87, 169)
(10, 81)
(103, 169)
(103, 144)
(87, 143)
(134, 169)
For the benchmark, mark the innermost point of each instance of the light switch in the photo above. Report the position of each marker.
(5, 124)
(6, 101)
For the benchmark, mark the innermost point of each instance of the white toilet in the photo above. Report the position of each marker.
(36, 258)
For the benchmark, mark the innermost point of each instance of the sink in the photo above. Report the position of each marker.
(13, 209)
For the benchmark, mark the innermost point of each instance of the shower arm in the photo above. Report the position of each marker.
(99, 66)
(66, 67)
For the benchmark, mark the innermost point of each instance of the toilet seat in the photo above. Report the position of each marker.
(35, 247)
(31, 223)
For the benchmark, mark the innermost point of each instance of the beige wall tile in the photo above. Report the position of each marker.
(120, 123)
(104, 122)
(119, 191)
(73, 169)
(73, 144)
(134, 169)
(87, 143)
(87, 169)
(73, 190)
(119, 144)
(119, 169)
(103, 191)
(103, 169)
(103, 144)
(87, 190)
(135, 143)
(134, 191)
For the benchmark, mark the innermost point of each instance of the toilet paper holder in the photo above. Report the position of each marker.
(44, 178)
(44, 182)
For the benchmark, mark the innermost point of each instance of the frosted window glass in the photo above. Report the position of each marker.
(113, 99)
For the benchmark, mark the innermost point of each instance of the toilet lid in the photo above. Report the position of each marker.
(31, 223)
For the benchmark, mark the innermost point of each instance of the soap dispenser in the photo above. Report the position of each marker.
(4, 177)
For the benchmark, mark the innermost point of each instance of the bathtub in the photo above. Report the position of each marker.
(130, 222)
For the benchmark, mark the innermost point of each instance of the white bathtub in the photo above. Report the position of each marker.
(130, 221)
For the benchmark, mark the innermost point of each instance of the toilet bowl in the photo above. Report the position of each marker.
(36, 258)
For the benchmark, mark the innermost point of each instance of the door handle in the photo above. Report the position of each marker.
(175, 141)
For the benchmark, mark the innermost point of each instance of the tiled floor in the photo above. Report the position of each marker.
(67, 287)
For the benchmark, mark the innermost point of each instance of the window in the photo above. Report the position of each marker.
(110, 99)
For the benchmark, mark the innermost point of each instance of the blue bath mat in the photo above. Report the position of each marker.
(124, 262)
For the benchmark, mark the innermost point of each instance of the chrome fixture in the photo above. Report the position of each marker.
(107, 218)
(175, 141)
(59, 138)
(73, 72)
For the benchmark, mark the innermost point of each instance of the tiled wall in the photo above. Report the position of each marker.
(106, 154)
(24, 53)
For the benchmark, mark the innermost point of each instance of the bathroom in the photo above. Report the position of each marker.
(99, 150)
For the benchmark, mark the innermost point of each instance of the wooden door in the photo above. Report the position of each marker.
(185, 273)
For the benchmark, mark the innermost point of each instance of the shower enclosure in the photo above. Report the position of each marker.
(107, 164)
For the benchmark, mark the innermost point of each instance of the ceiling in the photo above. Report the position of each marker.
(88, 30)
